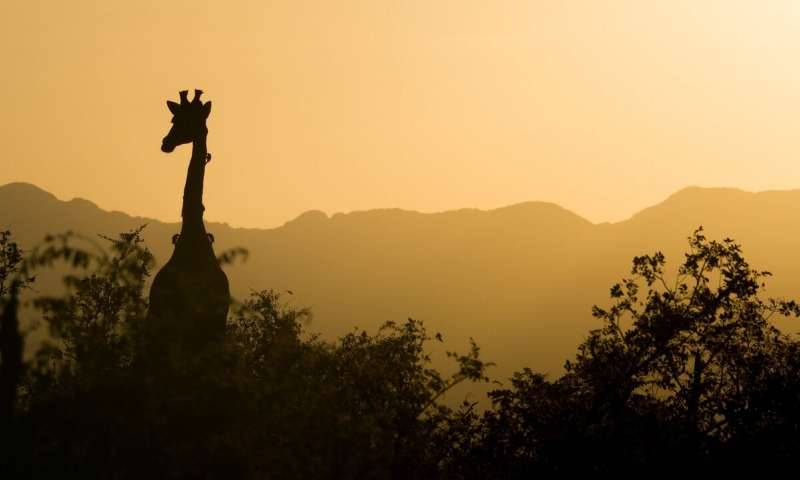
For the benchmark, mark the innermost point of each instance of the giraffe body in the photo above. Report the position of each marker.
(190, 295)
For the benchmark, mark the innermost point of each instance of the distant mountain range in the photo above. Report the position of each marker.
(521, 280)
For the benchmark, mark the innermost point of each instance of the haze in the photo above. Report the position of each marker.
(601, 107)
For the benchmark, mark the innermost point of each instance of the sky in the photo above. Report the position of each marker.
(603, 107)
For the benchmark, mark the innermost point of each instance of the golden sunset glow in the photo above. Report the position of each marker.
(602, 107)
(389, 239)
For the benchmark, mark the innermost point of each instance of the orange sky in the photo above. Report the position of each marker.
(604, 107)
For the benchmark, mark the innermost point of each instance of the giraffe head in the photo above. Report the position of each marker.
(188, 121)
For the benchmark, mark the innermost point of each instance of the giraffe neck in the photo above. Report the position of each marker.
(192, 212)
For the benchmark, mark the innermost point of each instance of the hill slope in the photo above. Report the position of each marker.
(521, 280)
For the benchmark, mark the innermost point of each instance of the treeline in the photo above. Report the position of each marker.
(684, 374)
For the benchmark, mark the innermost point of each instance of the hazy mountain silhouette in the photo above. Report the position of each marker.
(521, 280)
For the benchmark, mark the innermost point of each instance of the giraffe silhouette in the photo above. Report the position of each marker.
(190, 295)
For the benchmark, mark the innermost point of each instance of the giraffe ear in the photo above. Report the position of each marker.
(207, 109)
(173, 107)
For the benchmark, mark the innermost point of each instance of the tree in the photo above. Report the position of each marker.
(685, 370)
(13, 279)
(271, 400)
(702, 344)
(12, 367)
(11, 265)
(93, 324)
(363, 406)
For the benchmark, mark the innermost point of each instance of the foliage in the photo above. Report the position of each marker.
(92, 323)
(272, 400)
(684, 372)
(13, 279)
(11, 265)
(12, 366)
(364, 405)
(702, 346)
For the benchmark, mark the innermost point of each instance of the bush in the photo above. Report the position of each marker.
(684, 372)
(269, 401)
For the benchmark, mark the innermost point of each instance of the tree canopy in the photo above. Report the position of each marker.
(685, 370)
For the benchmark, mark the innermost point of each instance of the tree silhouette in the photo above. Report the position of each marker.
(13, 454)
(702, 344)
(10, 339)
(270, 401)
(684, 371)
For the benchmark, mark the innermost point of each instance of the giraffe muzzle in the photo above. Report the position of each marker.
(167, 146)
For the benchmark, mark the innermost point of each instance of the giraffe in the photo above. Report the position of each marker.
(190, 295)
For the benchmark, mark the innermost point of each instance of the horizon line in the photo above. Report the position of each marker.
(407, 210)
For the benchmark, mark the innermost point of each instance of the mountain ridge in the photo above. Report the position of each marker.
(519, 279)
(680, 195)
